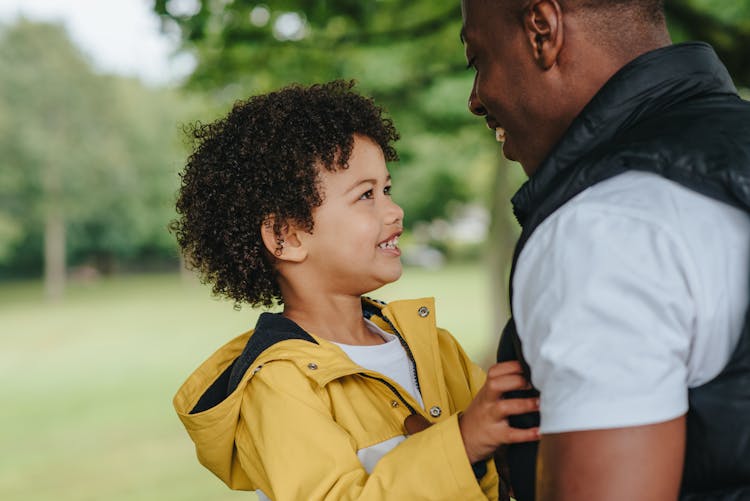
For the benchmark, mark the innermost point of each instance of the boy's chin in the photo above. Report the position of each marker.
(395, 275)
(384, 279)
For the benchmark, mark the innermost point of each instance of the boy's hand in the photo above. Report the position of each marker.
(484, 425)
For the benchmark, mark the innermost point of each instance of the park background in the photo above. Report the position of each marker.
(99, 321)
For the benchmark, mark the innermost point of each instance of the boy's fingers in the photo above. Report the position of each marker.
(499, 385)
(517, 435)
(503, 368)
(513, 406)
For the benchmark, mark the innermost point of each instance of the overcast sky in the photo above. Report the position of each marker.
(119, 36)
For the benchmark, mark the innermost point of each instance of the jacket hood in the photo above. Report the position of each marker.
(209, 401)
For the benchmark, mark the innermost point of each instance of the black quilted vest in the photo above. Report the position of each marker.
(674, 112)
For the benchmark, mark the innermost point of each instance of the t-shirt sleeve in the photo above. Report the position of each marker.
(603, 307)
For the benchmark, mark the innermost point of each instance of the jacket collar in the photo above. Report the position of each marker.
(278, 338)
(281, 326)
(403, 317)
(644, 87)
(272, 329)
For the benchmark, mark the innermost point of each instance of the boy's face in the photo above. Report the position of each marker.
(354, 243)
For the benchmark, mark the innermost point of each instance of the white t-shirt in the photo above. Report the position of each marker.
(631, 293)
(389, 359)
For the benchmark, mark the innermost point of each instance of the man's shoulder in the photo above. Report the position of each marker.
(645, 196)
(636, 220)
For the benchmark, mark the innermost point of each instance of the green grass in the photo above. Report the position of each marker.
(87, 383)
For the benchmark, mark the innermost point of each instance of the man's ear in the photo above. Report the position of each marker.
(284, 246)
(543, 23)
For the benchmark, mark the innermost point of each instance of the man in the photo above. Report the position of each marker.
(629, 287)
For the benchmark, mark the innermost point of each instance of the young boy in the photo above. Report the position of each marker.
(287, 200)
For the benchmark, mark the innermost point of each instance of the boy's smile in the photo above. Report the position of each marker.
(391, 245)
(353, 247)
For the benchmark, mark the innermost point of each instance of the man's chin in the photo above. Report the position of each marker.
(508, 152)
(513, 157)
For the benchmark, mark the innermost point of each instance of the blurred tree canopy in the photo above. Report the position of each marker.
(249, 44)
(407, 55)
(88, 162)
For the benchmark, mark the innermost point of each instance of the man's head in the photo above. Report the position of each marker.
(538, 62)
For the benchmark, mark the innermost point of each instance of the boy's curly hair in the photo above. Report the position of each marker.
(262, 160)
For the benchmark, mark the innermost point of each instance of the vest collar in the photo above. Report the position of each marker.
(647, 85)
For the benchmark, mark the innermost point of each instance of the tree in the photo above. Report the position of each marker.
(47, 93)
(88, 162)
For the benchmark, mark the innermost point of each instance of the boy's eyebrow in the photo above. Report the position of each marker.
(363, 181)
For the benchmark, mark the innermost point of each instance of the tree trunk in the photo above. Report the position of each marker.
(54, 255)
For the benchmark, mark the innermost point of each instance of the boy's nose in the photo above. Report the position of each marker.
(395, 214)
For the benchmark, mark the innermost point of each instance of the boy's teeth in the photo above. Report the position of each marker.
(500, 134)
(390, 244)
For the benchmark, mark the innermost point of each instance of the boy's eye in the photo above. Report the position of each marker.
(366, 195)
(387, 191)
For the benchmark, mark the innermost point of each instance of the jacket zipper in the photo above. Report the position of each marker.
(393, 389)
(408, 352)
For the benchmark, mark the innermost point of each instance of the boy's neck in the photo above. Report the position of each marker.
(334, 318)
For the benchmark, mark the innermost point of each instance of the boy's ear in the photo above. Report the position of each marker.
(286, 246)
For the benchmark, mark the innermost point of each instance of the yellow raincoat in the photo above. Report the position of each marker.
(302, 409)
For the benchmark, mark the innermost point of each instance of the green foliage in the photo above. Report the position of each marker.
(725, 24)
